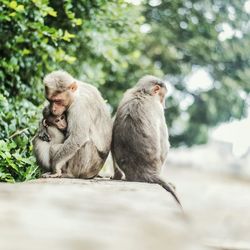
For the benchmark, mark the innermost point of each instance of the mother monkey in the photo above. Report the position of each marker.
(88, 137)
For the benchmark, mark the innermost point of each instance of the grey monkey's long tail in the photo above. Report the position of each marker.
(166, 186)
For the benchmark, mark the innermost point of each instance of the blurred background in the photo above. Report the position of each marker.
(199, 47)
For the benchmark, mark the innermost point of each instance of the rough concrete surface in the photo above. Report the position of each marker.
(104, 214)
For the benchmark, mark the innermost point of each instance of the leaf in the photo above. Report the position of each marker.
(20, 8)
(77, 21)
(25, 52)
(70, 59)
(12, 165)
(6, 177)
(12, 14)
(67, 36)
(13, 5)
(51, 12)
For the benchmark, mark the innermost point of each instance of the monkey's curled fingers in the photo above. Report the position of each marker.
(49, 175)
(44, 136)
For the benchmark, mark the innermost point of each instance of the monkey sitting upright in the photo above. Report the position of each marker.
(50, 133)
(140, 136)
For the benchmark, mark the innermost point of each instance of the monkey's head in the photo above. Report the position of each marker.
(153, 86)
(60, 91)
(60, 121)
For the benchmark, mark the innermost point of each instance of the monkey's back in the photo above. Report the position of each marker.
(89, 119)
(136, 143)
(96, 111)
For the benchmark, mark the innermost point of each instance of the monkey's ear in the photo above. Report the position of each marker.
(156, 89)
(44, 123)
(73, 87)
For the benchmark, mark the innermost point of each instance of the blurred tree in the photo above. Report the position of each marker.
(107, 44)
(185, 36)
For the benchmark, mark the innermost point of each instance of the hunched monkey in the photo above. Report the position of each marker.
(140, 136)
(50, 133)
(88, 137)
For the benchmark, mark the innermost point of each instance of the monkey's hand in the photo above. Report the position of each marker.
(44, 136)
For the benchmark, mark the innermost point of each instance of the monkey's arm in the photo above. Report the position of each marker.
(78, 135)
(164, 142)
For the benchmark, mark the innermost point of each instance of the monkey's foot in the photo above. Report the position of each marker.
(118, 174)
(49, 175)
(45, 174)
(116, 177)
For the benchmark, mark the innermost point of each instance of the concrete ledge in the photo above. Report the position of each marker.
(88, 214)
(102, 214)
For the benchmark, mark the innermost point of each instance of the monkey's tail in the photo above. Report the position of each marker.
(166, 186)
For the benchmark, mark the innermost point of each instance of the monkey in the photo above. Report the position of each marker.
(89, 126)
(140, 141)
(51, 132)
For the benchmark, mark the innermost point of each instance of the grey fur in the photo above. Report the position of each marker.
(140, 136)
(58, 80)
(43, 150)
(88, 138)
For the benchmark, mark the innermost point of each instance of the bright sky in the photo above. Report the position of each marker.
(199, 79)
(247, 6)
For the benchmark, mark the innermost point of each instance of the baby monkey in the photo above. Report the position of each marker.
(51, 133)
(49, 120)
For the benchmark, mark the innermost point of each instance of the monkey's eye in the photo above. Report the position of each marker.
(58, 102)
(57, 120)
(62, 117)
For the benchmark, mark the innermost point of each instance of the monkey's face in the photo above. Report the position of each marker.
(60, 122)
(60, 102)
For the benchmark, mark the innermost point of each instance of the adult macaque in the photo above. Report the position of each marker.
(140, 136)
(50, 133)
(89, 129)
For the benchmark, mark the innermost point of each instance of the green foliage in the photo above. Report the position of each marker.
(18, 120)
